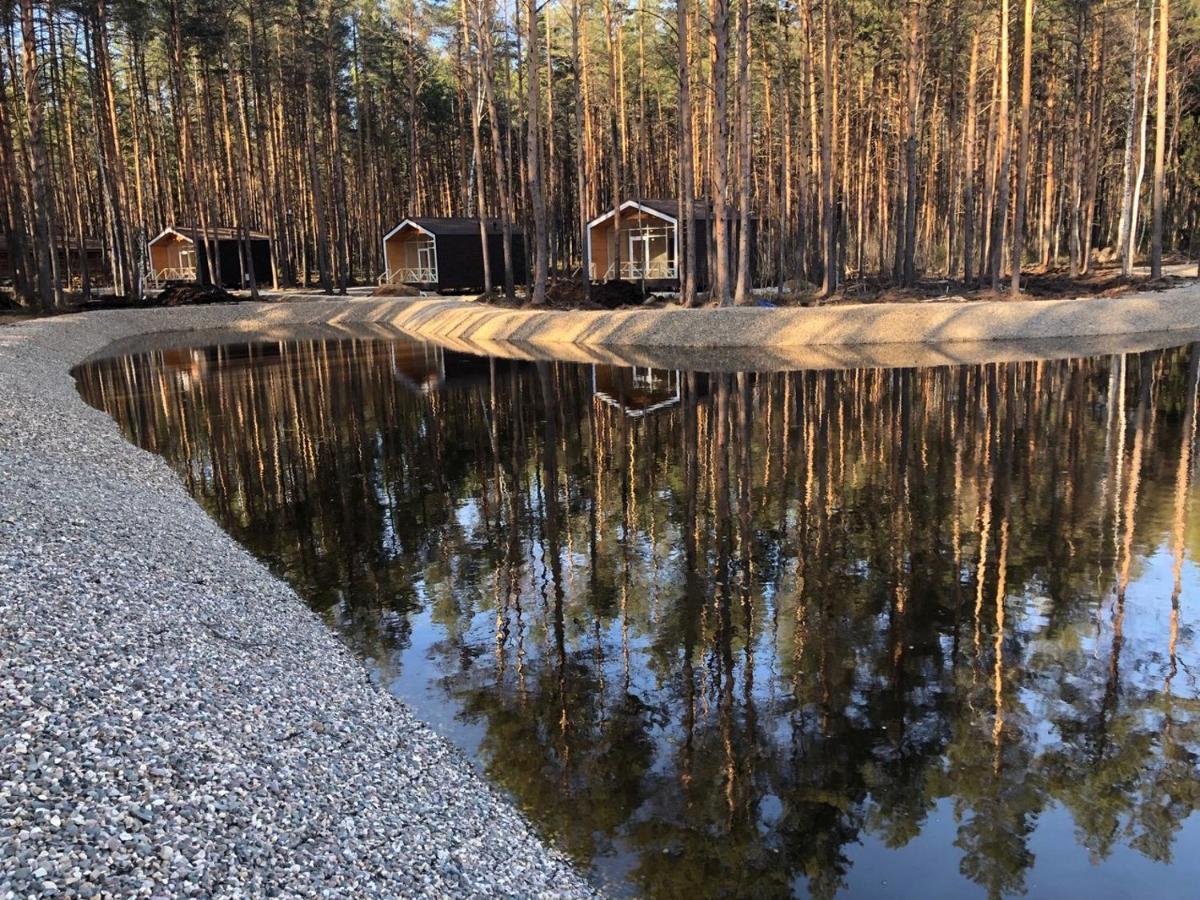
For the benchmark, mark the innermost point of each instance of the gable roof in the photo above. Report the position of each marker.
(665, 209)
(435, 225)
(218, 233)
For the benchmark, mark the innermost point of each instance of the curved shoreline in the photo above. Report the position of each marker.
(173, 719)
(854, 325)
(879, 335)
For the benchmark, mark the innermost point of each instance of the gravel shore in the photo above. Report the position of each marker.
(866, 325)
(173, 719)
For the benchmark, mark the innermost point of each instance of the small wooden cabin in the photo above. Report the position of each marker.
(70, 254)
(178, 253)
(648, 246)
(446, 254)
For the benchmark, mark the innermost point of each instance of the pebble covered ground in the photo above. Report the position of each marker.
(173, 720)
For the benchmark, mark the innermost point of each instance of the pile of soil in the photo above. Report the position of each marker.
(1101, 281)
(179, 294)
(395, 290)
(615, 294)
(568, 294)
(192, 294)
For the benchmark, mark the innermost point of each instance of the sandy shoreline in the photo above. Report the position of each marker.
(914, 334)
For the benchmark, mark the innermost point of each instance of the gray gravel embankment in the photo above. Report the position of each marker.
(173, 720)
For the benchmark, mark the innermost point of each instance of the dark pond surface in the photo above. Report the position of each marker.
(882, 632)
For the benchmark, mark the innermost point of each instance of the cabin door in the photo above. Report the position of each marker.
(427, 262)
(652, 253)
(639, 254)
(187, 263)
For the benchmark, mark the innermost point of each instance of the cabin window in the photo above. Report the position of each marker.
(651, 252)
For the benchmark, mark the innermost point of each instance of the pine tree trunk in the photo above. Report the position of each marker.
(1160, 142)
(337, 190)
(1077, 157)
(687, 205)
(744, 295)
(1004, 152)
(1126, 223)
(1046, 227)
(476, 91)
(1018, 240)
(11, 191)
(43, 250)
(969, 165)
(483, 36)
(720, 151)
(615, 130)
(1139, 175)
(537, 196)
(581, 166)
(828, 233)
(244, 176)
(912, 84)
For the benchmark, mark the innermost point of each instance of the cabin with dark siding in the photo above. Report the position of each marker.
(446, 254)
(180, 253)
(72, 253)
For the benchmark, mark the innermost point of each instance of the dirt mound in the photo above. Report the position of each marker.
(564, 293)
(191, 294)
(395, 290)
(614, 294)
(568, 294)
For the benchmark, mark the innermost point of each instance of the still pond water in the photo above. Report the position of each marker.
(924, 632)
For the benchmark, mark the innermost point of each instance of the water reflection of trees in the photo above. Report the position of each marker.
(734, 634)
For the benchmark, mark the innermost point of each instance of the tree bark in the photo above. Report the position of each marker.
(483, 35)
(687, 176)
(720, 150)
(472, 70)
(1018, 239)
(1126, 225)
(48, 290)
(913, 90)
(828, 234)
(537, 195)
(969, 165)
(581, 166)
(1000, 216)
(744, 292)
(1160, 142)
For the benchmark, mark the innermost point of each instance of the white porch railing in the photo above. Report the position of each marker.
(409, 276)
(632, 270)
(156, 279)
(635, 270)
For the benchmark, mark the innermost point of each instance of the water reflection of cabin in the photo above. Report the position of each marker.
(648, 245)
(446, 254)
(638, 391)
(175, 255)
(419, 367)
